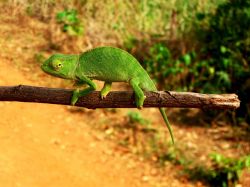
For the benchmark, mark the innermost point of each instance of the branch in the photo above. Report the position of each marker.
(119, 99)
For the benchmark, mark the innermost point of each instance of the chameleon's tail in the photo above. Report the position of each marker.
(167, 123)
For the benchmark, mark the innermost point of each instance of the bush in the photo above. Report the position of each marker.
(170, 73)
(70, 22)
(224, 172)
(220, 65)
(226, 49)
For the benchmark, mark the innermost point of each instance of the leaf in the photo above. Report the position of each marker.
(226, 62)
(200, 16)
(211, 70)
(247, 162)
(216, 157)
(223, 49)
(223, 78)
(187, 59)
(60, 16)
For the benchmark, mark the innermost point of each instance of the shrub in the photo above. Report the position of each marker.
(226, 49)
(70, 22)
(224, 171)
(220, 65)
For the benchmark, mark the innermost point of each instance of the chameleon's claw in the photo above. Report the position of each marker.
(74, 97)
(73, 101)
(139, 102)
(140, 107)
(105, 90)
(103, 96)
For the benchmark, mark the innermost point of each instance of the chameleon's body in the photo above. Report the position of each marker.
(107, 64)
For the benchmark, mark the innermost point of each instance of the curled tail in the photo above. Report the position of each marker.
(167, 123)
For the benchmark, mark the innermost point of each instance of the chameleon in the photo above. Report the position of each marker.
(108, 64)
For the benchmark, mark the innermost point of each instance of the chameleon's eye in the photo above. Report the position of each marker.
(57, 65)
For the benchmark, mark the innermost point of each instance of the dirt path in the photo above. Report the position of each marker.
(46, 145)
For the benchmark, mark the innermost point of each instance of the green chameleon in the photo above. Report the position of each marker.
(108, 64)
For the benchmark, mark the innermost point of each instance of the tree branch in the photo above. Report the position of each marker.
(119, 99)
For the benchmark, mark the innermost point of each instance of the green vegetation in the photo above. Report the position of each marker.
(150, 142)
(221, 171)
(132, 18)
(135, 117)
(220, 61)
(174, 73)
(70, 22)
(224, 172)
(226, 45)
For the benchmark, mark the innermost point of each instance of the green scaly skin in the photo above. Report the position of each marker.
(106, 64)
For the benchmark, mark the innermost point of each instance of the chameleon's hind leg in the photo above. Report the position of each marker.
(79, 93)
(105, 90)
(139, 95)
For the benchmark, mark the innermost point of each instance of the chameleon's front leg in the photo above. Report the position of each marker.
(139, 95)
(105, 90)
(79, 93)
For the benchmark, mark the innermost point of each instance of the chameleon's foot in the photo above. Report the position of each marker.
(139, 102)
(80, 93)
(105, 90)
(103, 96)
(139, 95)
(139, 107)
(75, 97)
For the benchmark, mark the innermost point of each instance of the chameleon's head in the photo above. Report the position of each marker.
(60, 65)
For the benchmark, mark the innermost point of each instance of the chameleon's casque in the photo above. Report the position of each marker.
(107, 64)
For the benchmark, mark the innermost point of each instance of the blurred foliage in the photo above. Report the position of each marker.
(70, 22)
(226, 48)
(220, 63)
(149, 141)
(135, 117)
(178, 74)
(221, 172)
(39, 57)
(121, 19)
(224, 172)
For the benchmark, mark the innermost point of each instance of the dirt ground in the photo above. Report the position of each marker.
(48, 145)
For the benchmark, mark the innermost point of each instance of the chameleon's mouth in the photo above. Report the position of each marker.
(43, 67)
(46, 69)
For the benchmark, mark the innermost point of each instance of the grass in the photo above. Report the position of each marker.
(223, 172)
(114, 22)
